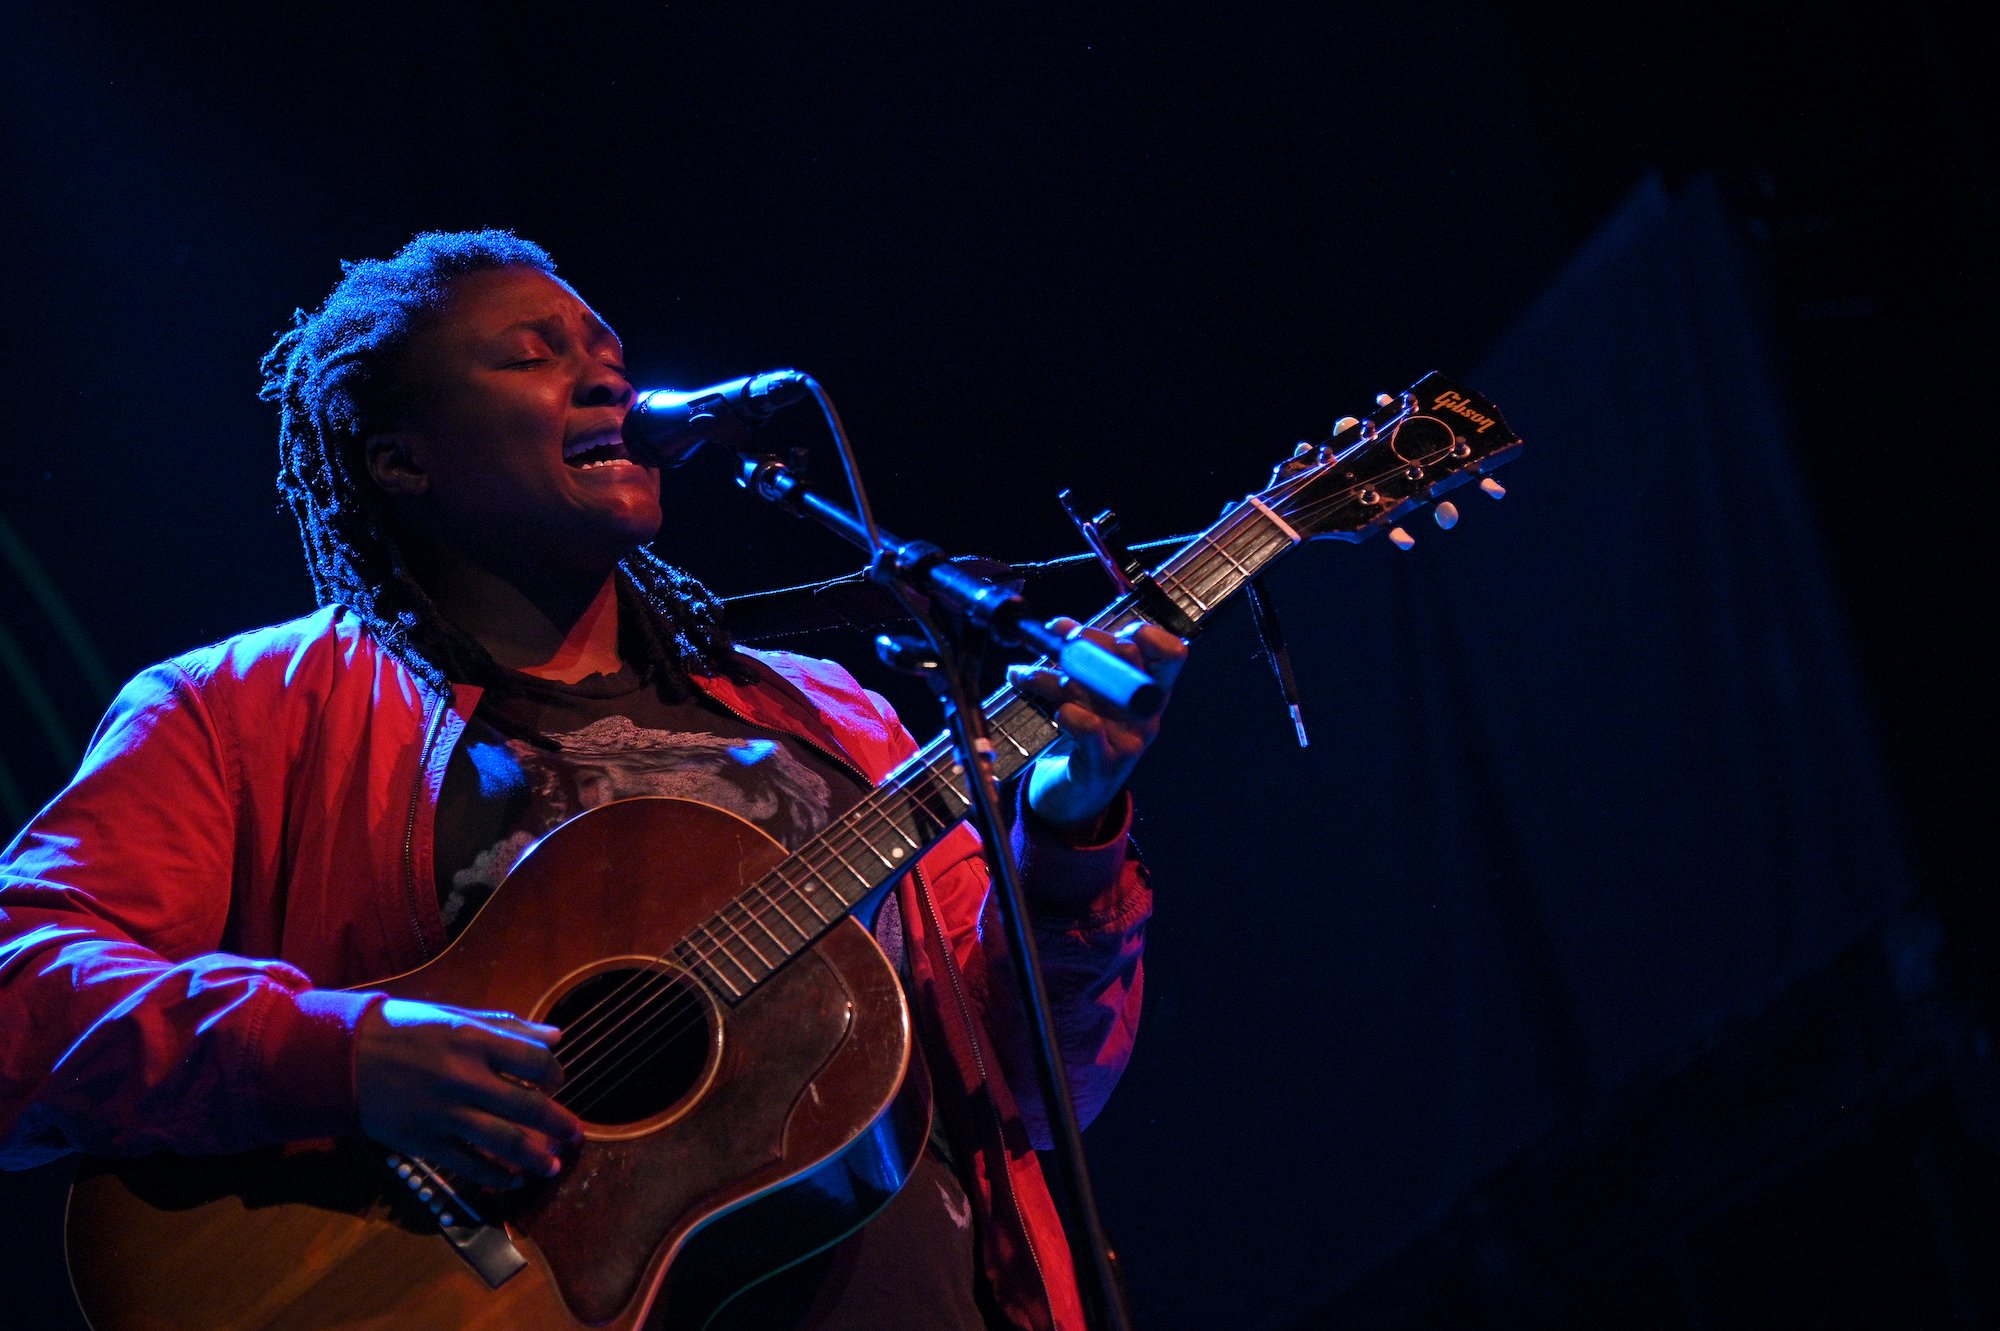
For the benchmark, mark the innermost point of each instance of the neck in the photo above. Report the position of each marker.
(562, 628)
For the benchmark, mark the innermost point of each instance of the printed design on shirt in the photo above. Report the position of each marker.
(613, 758)
(956, 1205)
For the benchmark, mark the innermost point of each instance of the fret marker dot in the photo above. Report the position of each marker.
(895, 852)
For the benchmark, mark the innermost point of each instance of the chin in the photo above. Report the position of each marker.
(629, 536)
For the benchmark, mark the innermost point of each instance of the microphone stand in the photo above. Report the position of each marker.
(913, 570)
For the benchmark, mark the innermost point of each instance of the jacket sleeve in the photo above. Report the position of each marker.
(1088, 905)
(122, 1030)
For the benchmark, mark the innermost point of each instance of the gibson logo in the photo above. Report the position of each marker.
(1456, 404)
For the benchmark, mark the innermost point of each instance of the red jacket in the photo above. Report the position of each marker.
(274, 796)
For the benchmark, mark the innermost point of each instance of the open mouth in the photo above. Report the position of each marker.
(601, 449)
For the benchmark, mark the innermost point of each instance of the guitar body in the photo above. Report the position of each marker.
(721, 1146)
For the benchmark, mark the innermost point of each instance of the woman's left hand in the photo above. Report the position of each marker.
(1076, 780)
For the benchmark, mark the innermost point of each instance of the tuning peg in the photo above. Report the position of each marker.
(1446, 515)
(1303, 449)
(1345, 423)
(1493, 488)
(1383, 399)
(1401, 539)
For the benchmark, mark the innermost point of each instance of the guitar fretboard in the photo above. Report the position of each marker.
(922, 800)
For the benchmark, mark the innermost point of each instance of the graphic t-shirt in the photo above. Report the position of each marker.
(536, 753)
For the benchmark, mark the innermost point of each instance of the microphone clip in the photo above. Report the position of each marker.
(774, 477)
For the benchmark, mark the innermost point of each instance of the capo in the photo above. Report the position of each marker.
(1101, 535)
(1128, 576)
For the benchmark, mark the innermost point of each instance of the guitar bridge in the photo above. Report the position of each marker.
(484, 1246)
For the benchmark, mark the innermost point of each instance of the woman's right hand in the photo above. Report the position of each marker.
(468, 1092)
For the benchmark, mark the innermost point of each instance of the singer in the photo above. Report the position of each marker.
(265, 827)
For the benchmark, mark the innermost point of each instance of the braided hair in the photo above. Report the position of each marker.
(335, 375)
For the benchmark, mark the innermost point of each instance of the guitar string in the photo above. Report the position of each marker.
(606, 1016)
(591, 1026)
(631, 1058)
(609, 1015)
(1224, 528)
(645, 995)
(612, 1015)
(834, 844)
(585, 1038)
(596, 1061)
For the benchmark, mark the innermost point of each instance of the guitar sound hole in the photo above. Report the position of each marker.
(634, 1042)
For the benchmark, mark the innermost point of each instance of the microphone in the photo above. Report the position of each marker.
(666, 426)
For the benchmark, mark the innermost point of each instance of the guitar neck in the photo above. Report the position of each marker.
(922, 800)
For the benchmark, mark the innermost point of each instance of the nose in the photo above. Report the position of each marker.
(598, 385)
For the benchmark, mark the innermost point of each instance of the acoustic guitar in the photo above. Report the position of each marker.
(734, 1041)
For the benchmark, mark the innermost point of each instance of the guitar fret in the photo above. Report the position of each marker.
(757, 917)
(824, 918)
(799, 894)
(779, 906)
(827, 883)
(691, 957)
(1163, 577)
(1223, 550)
(1257, 543)
(887, 862)
(844, 863)
(1219, 587)
(723, 916)
(716, 949)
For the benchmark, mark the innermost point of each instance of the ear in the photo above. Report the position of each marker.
(392, 462)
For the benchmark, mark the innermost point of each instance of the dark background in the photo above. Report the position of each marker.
(1616, 953)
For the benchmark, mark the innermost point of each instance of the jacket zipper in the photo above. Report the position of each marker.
(957, 991)
(410, 830)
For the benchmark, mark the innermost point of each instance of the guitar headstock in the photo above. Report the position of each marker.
(1375, 470)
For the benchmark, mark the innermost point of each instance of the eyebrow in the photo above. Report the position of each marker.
(553, 323)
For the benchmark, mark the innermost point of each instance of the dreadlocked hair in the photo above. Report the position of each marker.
(335, 376)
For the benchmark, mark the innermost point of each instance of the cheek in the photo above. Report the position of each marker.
(503, 404)
(492, 439)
